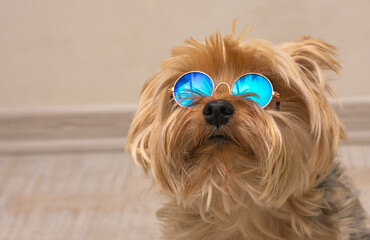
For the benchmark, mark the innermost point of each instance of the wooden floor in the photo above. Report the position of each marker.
(100, 195)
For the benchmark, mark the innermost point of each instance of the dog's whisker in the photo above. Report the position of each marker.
(194, 161)
(185, 171)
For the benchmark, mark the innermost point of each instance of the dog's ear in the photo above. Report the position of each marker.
(142, 125)
(316, 59)
(311, 53)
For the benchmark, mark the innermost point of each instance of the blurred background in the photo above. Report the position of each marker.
(100, 52)
(70, 76)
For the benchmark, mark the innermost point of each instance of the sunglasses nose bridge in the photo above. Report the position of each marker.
(222, 83)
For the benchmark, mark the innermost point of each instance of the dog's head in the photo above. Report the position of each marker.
(227, 147)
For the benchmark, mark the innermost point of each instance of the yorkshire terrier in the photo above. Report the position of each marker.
(241, 137)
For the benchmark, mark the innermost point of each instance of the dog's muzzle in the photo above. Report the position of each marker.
(218, 112)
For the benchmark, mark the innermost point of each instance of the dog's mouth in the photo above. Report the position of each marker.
(219, 138)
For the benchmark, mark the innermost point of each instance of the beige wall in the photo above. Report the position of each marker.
(100, 52)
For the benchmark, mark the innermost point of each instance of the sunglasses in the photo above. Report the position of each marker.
(252, 86)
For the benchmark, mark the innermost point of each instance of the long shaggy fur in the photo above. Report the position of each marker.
(274, 178)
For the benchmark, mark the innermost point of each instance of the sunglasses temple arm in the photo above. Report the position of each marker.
(277, 96)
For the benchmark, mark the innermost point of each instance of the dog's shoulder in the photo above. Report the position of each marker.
(343, 204)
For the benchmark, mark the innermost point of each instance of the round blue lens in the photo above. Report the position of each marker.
(191, 86)
(258, 86)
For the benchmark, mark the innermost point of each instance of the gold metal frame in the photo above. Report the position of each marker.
(274, 94)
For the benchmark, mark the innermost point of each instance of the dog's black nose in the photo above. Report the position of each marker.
(218, 112)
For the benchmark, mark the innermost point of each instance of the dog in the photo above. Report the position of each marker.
(240, 135)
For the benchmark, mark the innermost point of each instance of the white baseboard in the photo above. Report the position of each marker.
(354, 113)
(95, 128)
(104, 128)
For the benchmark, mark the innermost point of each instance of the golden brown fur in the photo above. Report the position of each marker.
(275, 177)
